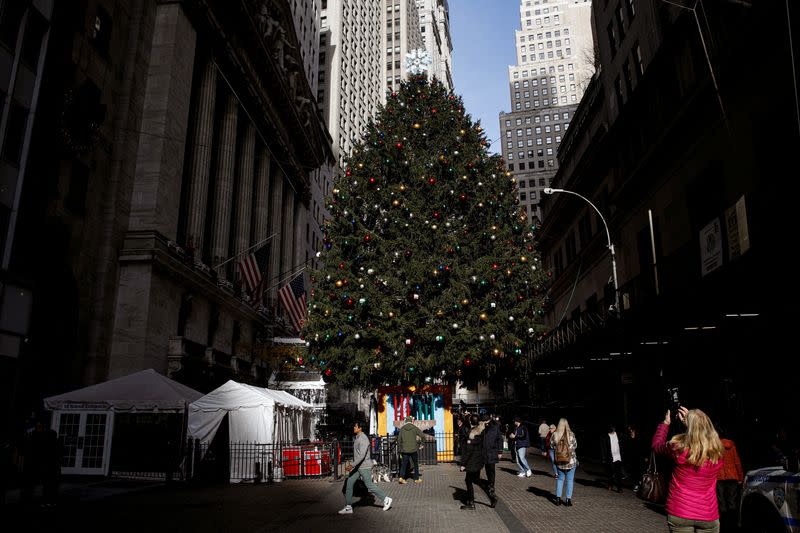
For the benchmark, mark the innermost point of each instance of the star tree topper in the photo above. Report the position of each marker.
(417, 61)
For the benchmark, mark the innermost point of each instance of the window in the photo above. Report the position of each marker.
(521, 155)
(508, 123)
(510, 165)
(516, 85)
(521, 165)
(541, 182)
(549, 151)
(522, 184)
(15, 133)
(32, 40)
(518, 121)
(508, 132)
(101, 31)
(527, 131)
(10, 19)
(523, 196)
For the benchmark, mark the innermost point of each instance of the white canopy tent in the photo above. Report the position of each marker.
(255, 414)
(87, 415)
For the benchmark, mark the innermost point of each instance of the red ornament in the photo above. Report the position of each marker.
(433, 110)
(432, 180)
(468, 362)
(349, 302)
(372, 181)
(399, 146)
(436, 215)
(367, 237)
(347, 172)
(327, 371)
(495, 266)
(341, 266)
(462, 197)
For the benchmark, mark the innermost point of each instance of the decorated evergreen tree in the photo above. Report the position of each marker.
(430, 273)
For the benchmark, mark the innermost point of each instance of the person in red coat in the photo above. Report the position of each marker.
(729, 483)
(692, 500)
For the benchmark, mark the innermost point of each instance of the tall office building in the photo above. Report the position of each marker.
(434, 21)
(554, 64)
(403, 34)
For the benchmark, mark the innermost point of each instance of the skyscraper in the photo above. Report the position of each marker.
(555, 61)
(434, 22)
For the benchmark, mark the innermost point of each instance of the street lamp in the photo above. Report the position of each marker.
(549, 190)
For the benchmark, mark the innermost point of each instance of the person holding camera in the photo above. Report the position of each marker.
(697, 453)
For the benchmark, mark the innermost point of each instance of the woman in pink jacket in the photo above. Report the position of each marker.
(697, 453)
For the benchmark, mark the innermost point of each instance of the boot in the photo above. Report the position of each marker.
(492, 498)
(469, 506)
(557, 500)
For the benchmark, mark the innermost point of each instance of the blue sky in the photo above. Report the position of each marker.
(483, 46)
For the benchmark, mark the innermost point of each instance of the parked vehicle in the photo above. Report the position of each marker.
(771, 501)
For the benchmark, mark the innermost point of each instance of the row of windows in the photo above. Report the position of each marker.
(532, 165)
(619, 18)
(544, 11)
(567, 52)
(543, 21)
(549, 45)
(537, 129)
(544, 35)
(539, 118)
(545, 102)
(527, 94)
(532, 182)
(535, 82)
(542, 71)
(539, 141)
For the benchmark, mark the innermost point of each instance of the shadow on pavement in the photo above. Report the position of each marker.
(591, 483)
(542, 493)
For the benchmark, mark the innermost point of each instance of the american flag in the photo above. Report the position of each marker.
(253, 265)
(293, 297)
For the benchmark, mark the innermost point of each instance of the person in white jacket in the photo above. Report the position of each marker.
(362, 468)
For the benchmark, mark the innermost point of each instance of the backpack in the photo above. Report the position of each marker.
(563, 454)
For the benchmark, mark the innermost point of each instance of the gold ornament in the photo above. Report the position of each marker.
(464, 302)
(338, 283)
(395, 202)
(402, 187)
(484, 317)
(416, 126)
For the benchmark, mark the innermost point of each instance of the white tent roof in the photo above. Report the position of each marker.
(233, 396)
(141, 391)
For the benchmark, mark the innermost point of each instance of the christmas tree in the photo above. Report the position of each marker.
(431, 274)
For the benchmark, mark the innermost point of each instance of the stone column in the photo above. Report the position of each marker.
(223, 184)
(275, 226)
(261, 205)
(287, 240)
(200, 161)
(155, 198)
(300, 244)
(244, 198)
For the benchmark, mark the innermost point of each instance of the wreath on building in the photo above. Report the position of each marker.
(79, 124)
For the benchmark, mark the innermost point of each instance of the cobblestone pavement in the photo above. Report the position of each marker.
(311, 506)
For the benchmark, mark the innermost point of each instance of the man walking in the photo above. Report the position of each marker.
(408, 441)
(544, 429)
(492, 451)
(612, 457)
(522, 441)
(362, 468)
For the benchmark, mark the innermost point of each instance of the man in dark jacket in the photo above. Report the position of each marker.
(492, 451)
(612, 458)
(472, 459)
(408, 440)
(521, 442)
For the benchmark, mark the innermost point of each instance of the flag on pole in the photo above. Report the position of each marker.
(252, 266)
(293, 298)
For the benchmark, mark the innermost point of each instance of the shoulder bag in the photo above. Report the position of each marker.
(653, 487)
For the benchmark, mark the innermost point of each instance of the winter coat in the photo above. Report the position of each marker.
(605, 448)
(521, 439)
(361, 450)
(731, 464)
(692, 490)
(573, 445)
(472, 451)
(492, 443)
(409, 437)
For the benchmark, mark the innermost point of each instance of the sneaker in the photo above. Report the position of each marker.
(418, 481)
(348, 509)
(387, 503)
(521, 474)
(528, 473)
(402, 481)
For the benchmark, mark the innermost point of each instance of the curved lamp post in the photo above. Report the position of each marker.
(549, 190)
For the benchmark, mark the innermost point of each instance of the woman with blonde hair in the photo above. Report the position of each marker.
(697, 453)
(564, 444)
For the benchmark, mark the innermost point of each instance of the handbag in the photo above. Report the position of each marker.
(653, 487)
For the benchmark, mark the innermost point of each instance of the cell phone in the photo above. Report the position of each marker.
(674, 399)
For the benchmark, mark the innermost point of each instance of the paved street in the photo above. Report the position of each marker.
(312, 505)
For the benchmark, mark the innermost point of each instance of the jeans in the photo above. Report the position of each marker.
(553, 461)
(684, 525)
(366, 475)
(569, 475)
(522, 462)
(412, 458)
(472, 477)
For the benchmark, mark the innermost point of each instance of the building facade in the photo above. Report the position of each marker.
(402, 34)
(555, 61)
(434, 22)
(170, 153)
(668, 144)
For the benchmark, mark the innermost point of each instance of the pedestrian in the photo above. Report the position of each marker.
(635, 454)
(362, 469)
(697, 453)
(472, 459)
(729, 483)
(548, 444)
(408, 442)
(521, 442)
(564, 445)
(42, 463)
(509, 433)
(492, 452)
(544, 429)
(612, 458)
(457, 436)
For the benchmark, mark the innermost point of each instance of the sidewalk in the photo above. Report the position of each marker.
(312, 505)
